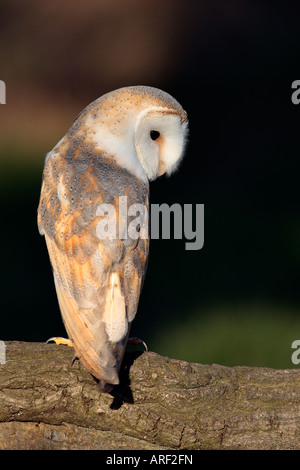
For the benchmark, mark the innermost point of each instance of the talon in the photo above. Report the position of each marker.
(58, 340)
(74, 358)
(138, 341)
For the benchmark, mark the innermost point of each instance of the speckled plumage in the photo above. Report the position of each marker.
(99, 160)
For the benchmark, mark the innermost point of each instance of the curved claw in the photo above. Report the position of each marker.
(138, 341)
(75, 358)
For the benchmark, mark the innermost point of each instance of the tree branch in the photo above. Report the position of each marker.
(161, 403)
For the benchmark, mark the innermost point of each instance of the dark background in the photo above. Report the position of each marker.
(231, 65)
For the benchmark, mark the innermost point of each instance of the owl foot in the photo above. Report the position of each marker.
(58, 340)
(137, 341)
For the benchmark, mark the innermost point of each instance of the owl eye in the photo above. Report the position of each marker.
(154, 135)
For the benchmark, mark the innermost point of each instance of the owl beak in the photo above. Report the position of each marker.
(162, 168)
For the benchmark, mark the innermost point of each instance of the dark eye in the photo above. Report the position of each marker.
(154, 135)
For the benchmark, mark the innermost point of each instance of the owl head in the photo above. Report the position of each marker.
(142, 129)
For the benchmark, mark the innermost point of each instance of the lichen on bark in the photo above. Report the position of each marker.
(161, 403)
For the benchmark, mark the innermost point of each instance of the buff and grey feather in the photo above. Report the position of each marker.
(107, 153)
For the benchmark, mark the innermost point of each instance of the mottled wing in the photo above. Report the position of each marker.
(98, 281)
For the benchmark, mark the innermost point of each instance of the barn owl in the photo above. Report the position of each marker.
(115, 146)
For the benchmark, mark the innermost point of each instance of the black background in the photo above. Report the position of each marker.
(231, 66)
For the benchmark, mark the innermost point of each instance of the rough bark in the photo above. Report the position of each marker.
(161, 403)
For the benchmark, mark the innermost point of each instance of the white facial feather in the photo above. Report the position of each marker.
(129, 141)
(121, 147)
(168, 149)
(174, 143)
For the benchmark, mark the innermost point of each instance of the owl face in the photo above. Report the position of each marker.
(159, 140)
(144, 130)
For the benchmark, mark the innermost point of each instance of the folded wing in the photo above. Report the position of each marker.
(98, 281)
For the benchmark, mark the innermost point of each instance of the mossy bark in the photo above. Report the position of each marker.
(161, 403)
